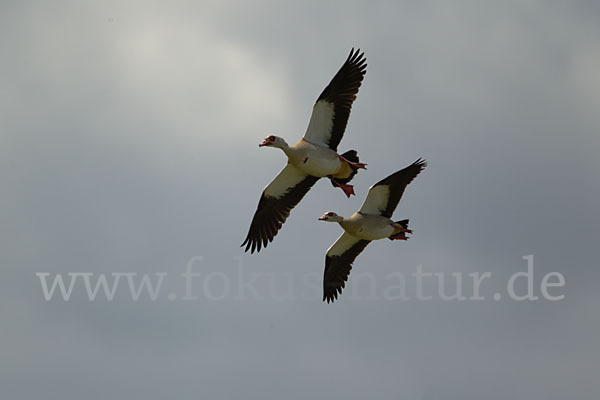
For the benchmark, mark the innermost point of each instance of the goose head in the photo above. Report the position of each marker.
(331, 217)
(273, 141)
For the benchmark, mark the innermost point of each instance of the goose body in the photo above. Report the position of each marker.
(313, 157)
(372, 222)
(368, 227)
(317, 160)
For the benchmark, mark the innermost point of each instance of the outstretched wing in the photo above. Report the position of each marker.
(384, 196)
(338, 263)
(332, 109)
(276, 202)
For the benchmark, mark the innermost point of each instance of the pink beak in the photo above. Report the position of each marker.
(323, 218)
(263, 143)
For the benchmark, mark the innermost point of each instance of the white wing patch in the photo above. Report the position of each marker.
(321, 123)
(289, 177)
(342, 245)
(376, 200)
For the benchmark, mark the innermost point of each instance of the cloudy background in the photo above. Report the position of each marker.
(128, 143)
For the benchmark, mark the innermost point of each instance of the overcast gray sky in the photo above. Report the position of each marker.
(128, 143)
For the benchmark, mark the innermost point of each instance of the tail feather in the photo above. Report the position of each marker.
(403, 223)
(402, 236)
(350, 155)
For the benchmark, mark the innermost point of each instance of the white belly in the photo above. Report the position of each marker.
(375, 233)
(369, 227)
(321, 167)
(317, 161)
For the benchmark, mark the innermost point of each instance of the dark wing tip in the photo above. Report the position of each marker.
(330, 297)
(330, 294)
(397, 182)
(355, 54)
(421, 163)
(334, 279)
(357, 59)
(337, 271)
(271, 213)
(258, 238)
(342, 91)
(415, 169)
(261, 233)
(347, 80)
(405, 175)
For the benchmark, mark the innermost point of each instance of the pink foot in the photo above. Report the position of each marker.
(358, 165)
(348, 189)
(398, 236)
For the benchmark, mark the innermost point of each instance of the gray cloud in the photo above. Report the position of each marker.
(129, 136)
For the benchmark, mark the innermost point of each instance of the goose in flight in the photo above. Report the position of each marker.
(313, 157)
(372, 222)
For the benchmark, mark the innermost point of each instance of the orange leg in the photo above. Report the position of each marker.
(354, 164)
(348, 189)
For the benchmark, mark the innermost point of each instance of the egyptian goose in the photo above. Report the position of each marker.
(371, 222)
(312, 157)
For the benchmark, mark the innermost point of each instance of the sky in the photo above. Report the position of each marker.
(128, 144)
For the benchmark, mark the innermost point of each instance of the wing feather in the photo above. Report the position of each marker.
(384, 196)
(338, 263)
(277, 200)
(331, 111)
